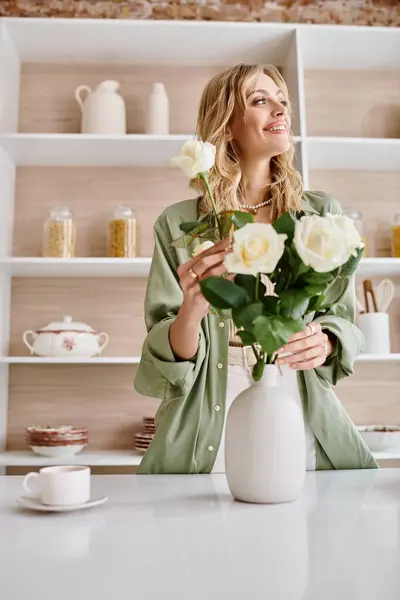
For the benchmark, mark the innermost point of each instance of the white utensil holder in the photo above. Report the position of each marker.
(375, 327)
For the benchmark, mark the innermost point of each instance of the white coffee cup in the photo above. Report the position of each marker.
(375, 328)
(62, 486)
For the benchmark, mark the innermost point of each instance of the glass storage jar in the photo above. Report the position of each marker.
(122, 233)
(357, 217)
(396, 236)
(59, 234)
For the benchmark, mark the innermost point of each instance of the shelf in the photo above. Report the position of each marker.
(89, 150)
(140, 267)
(78, 267)
(382, 456)
(379, 267)
(68, 150)
(352, 154)
(135, 360)
(96, 360)
(101, 458)
(148, 42)
(394, 357)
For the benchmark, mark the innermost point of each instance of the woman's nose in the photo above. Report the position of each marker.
(278, 110)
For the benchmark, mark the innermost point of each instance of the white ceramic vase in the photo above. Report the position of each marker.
(265, 458)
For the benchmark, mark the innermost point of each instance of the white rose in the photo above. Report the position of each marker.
(195, 157)
(257, 248)
(202, 247)
(321, 243)
(352, 236)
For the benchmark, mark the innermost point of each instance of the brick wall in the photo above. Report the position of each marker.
(355, 12)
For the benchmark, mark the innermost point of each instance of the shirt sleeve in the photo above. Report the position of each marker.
(160, 374)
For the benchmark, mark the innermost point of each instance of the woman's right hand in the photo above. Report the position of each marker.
(206, 264)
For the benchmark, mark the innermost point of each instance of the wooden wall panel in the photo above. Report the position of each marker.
(93, 193)
(48, 102)
(374, 193)
(352, 103)
(111, 305)
(98, 397)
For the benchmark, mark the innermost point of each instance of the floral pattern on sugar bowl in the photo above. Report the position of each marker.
(66, 338)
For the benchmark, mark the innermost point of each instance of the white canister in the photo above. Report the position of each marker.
(158, 112)
(375, 327)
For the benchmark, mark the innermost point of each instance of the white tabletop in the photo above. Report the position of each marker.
(184, 538)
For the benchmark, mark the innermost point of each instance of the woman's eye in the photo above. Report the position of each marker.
(284, 102)
(259, 101)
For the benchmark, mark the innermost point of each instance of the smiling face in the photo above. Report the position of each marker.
(262, 131)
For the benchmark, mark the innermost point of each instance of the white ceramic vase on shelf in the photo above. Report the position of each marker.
(265, 458)
(103, 109)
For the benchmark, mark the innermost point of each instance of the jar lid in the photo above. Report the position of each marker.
(124, 212)
(61, 212)
(67, 324)
(353, 214)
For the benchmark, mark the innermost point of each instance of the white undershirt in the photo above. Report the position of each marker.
(239, 379)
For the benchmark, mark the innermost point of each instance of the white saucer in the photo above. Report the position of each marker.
(33, 504)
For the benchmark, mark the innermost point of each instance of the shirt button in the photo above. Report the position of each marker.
(217, 408)
(220, 366)
(210, 448)
(221, 324)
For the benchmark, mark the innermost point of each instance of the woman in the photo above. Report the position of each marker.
(191, 358)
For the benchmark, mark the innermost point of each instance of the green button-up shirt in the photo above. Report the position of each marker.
(189, 427)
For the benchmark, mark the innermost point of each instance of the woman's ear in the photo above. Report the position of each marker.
(228, 135)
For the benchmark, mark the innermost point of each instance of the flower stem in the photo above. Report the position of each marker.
(204, 177)
(257, 286)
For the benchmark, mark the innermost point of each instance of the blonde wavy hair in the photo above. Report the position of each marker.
(223, 96)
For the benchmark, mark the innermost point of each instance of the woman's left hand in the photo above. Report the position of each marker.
(308, 349)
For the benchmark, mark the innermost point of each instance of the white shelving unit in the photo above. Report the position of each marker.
(294, 48)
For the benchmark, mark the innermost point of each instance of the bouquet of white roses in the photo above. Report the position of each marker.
(302, 258)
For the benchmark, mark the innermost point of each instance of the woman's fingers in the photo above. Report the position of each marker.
(304, 339)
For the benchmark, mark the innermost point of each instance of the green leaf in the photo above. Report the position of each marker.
(241, 218)
(285, 224)
(270, 304)
(313, 289)
(245, 315)
(273, 332)
(258, 370)
(316, 303)
(248, 283)
(318, 278)
(350, 267)
(293, 303)
(182, 242)
(248, 338)
(189, 226)
(223, 293)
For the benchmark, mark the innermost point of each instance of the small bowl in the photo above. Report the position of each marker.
(57, 451)
(381, 438)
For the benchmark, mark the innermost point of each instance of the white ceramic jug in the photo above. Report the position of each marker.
(103, 109)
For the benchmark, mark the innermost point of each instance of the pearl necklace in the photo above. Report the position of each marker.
(254, 207)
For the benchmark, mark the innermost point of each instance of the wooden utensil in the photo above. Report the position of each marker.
(369, 289)
(385, 292)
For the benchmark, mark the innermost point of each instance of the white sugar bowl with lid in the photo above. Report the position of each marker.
(66, 338)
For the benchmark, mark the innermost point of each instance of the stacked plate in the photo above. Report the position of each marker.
(144, 437)
(59, 442)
